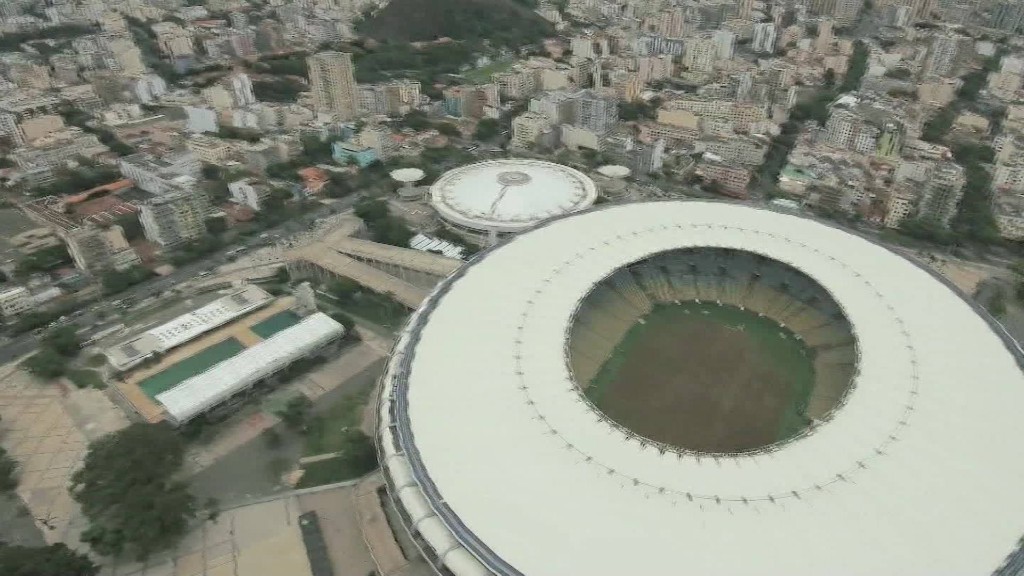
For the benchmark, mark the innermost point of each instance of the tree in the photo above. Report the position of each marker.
(282, 275)
(46, 363)
(127, 491)
(8, 472)
(217, 225)
(212, 172)
(115, 281)
(53, 560)
(370, 210)
(830, 78)
(487, 129)
(296, 412)
(344, 289)
(996, 302)
(62, 340)
(448, 129)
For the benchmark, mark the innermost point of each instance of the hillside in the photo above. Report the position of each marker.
(505, 23)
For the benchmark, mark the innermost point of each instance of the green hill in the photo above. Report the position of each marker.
(504, 23)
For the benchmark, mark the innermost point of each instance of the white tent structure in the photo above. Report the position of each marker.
(501, 467)
(240, 372)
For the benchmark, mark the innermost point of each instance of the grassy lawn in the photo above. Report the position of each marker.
(333, 470)
(789, 355)
(325, 433)
(482, 75)
(85, 378)
(372, 308)
(96, 360)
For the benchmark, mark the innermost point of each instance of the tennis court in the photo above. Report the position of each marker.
(195, 364)
(275, 324)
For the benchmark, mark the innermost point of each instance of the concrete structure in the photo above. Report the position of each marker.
(249, 192)
(594, 112)
(175, 217)
(499, 197)
(156, 175)
(254, 365)
(764, 38)
(333, 83)
(404, 274)
(407, 179)
(15, 301)
(528, 128)
(499, 465)
(187, 327)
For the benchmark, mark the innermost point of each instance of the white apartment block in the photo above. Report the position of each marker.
(156, 175)
(248, 193)
(1008, 177)
(516, 84)
(175, 218)
(899, 206)
(15, 301)
(528, 127)
(333, 83)
(764, 38)
(700, 55)
(742, 116)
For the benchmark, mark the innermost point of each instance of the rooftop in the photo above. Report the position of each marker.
(510, 195)
(912, 475)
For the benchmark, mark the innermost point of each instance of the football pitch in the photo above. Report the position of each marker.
(708, 378)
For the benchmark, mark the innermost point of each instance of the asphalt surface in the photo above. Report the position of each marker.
(91, 322)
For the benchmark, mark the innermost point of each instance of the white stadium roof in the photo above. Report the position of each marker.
(483, 429)
(510, 195)
(203, 391)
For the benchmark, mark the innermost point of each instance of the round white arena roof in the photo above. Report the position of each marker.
(503, 468)
(407, 174)
(613, 171)
(510, 195)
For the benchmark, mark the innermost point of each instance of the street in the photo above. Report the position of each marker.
(26, 343)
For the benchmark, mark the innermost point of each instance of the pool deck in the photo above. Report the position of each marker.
(240, 329)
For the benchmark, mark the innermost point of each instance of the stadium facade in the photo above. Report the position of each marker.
(499, 464)
(493, 199)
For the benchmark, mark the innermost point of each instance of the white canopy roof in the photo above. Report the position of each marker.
(510, 195)
(916, 474)
(203, 391)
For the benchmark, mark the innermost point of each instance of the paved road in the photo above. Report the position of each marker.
(26, 343)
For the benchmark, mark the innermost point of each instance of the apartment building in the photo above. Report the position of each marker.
(528, 128)
(156, 175)
(681, 111)
(175, 217)
(595, 112)
(333, 83)
(249, 192)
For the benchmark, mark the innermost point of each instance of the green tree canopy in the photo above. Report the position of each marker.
(62, 340)
(53, 560)
(46, 363)
(487, 129)
(8, 472)
(128, 492)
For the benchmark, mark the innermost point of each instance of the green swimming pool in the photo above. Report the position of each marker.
(274, 324)
(195, 364)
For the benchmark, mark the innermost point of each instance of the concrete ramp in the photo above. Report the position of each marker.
(407, 258)
(334, 262)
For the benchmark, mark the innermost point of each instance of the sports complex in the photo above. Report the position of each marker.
(699, 387)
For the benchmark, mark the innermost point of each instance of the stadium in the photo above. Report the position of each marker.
(699, 387)
(493, 199)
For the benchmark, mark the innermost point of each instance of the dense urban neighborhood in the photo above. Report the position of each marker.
(217, 218)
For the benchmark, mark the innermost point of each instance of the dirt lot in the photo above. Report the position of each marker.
(705, 377)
